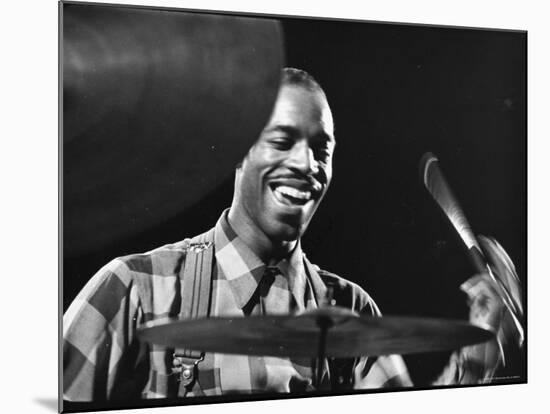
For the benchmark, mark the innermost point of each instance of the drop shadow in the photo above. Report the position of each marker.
(49, 403)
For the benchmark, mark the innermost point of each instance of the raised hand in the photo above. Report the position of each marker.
(495, 302)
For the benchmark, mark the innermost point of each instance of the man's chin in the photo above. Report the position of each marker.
(288, 235)
(287, 229)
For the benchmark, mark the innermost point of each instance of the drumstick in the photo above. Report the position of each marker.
(437, 186)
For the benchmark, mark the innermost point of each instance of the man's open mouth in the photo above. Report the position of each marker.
(292, 196)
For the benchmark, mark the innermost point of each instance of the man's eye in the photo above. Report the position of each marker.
(282, 143)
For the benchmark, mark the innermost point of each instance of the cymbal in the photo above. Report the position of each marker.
(348, 334)
(158, 108)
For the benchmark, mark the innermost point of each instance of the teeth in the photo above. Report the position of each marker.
(293, 192)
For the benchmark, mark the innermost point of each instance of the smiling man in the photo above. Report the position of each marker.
(250, 263)
(287, 172)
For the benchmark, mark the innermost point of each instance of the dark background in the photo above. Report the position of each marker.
(396, 91)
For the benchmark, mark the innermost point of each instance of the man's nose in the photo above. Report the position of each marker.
(302, 158)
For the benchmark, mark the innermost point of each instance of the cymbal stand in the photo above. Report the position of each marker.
(324, 323)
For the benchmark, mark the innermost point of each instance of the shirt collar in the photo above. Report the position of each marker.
(319, 287)
(244, 270)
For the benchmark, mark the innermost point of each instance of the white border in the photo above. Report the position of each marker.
(29, 206)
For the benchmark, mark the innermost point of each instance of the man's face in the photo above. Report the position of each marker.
(287, 172)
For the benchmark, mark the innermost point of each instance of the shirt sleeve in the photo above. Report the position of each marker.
(98, 334)
(466, 366)
(382, 371)
(470, 365)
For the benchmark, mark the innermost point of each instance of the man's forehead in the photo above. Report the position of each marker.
(296, 103)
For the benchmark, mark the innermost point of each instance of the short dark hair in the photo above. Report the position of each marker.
(299, 77)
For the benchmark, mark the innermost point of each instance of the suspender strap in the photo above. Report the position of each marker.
(196, 282)
(197, 277)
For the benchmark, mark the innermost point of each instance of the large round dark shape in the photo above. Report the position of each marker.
(158, 108)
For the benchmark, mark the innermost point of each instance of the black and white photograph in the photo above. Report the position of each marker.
(259, 207)
(274, 206)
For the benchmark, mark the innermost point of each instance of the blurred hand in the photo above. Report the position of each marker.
(495, 302)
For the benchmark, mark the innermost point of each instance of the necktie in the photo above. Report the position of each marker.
(279, 295)
(275, 297)
(274, 293)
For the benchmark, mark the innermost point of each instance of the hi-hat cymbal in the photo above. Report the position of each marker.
(158, 108)
(348, 334)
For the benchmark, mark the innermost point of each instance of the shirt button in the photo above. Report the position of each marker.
(186, 373)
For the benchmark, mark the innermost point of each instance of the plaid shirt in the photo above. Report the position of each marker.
(102, 360)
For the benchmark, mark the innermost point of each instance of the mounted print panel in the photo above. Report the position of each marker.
(261, 207)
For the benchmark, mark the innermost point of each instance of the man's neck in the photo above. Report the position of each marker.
(268, 250)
